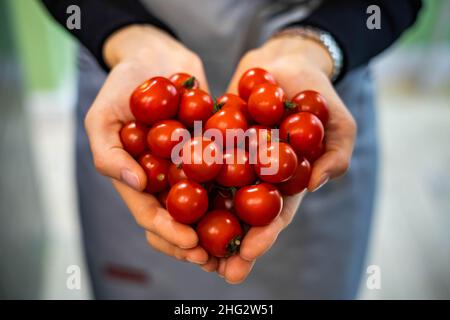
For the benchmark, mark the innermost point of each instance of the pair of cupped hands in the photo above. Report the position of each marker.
(137, 53)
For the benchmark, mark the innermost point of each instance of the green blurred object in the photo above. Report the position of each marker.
(22, 227)
(46, 51)
(433, 25)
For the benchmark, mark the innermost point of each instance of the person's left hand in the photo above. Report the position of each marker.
(297, 64)
(256, 242)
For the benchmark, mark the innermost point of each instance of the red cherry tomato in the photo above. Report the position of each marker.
(226, 121)
(222, 200)
(256, 135)
(276, 162)
(258, 205)
(156, 169)
(195, 105)
(303, 131)
(155, 100)
(201, 159)
(183, 81)
(266, 104)
(133, 136)
(160, 139)
(162, 198)
(176, 174)
(312, 102)
(220, 233)
(299, 180)
(251, 79)
(230, 100)
(316, 153)
(187, 201)
(236, 170)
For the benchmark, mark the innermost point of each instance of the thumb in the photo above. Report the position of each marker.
(233, 85)
(110, 159)
(334, 162)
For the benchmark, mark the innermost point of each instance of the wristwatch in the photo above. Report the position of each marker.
(325, 39)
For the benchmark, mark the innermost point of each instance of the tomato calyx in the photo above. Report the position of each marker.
(289, 105)
(234, 245)
(223, 190)
(232, 190)
(287, 140)
(189, 83)
(218, 106)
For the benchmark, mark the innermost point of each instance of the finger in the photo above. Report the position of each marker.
(221, 267)
(151, 216)
(196, 69)
(250, 60)
(195, 255)
(211, 265)
(233, 85)
(200, 75)
(110, 159)
(241, 68)
(330, 165)
(237, 269)
(340, 131)
(259, 240)
(339, 141)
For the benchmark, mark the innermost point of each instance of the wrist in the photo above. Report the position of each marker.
(322, 38)
(307, 50)
(134, 42)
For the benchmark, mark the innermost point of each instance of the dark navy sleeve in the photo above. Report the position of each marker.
(100, 18)
(346, 20)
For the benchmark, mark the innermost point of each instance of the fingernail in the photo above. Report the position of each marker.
(205, 269)
(195, 261)
(130, 178)
(323, 180)
(232, 282)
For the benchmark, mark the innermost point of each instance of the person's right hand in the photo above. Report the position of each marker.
(135, 54)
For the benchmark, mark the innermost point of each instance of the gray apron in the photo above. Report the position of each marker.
(320, 255)
(221, 31)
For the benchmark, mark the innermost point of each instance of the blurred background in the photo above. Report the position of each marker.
(40, 236)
